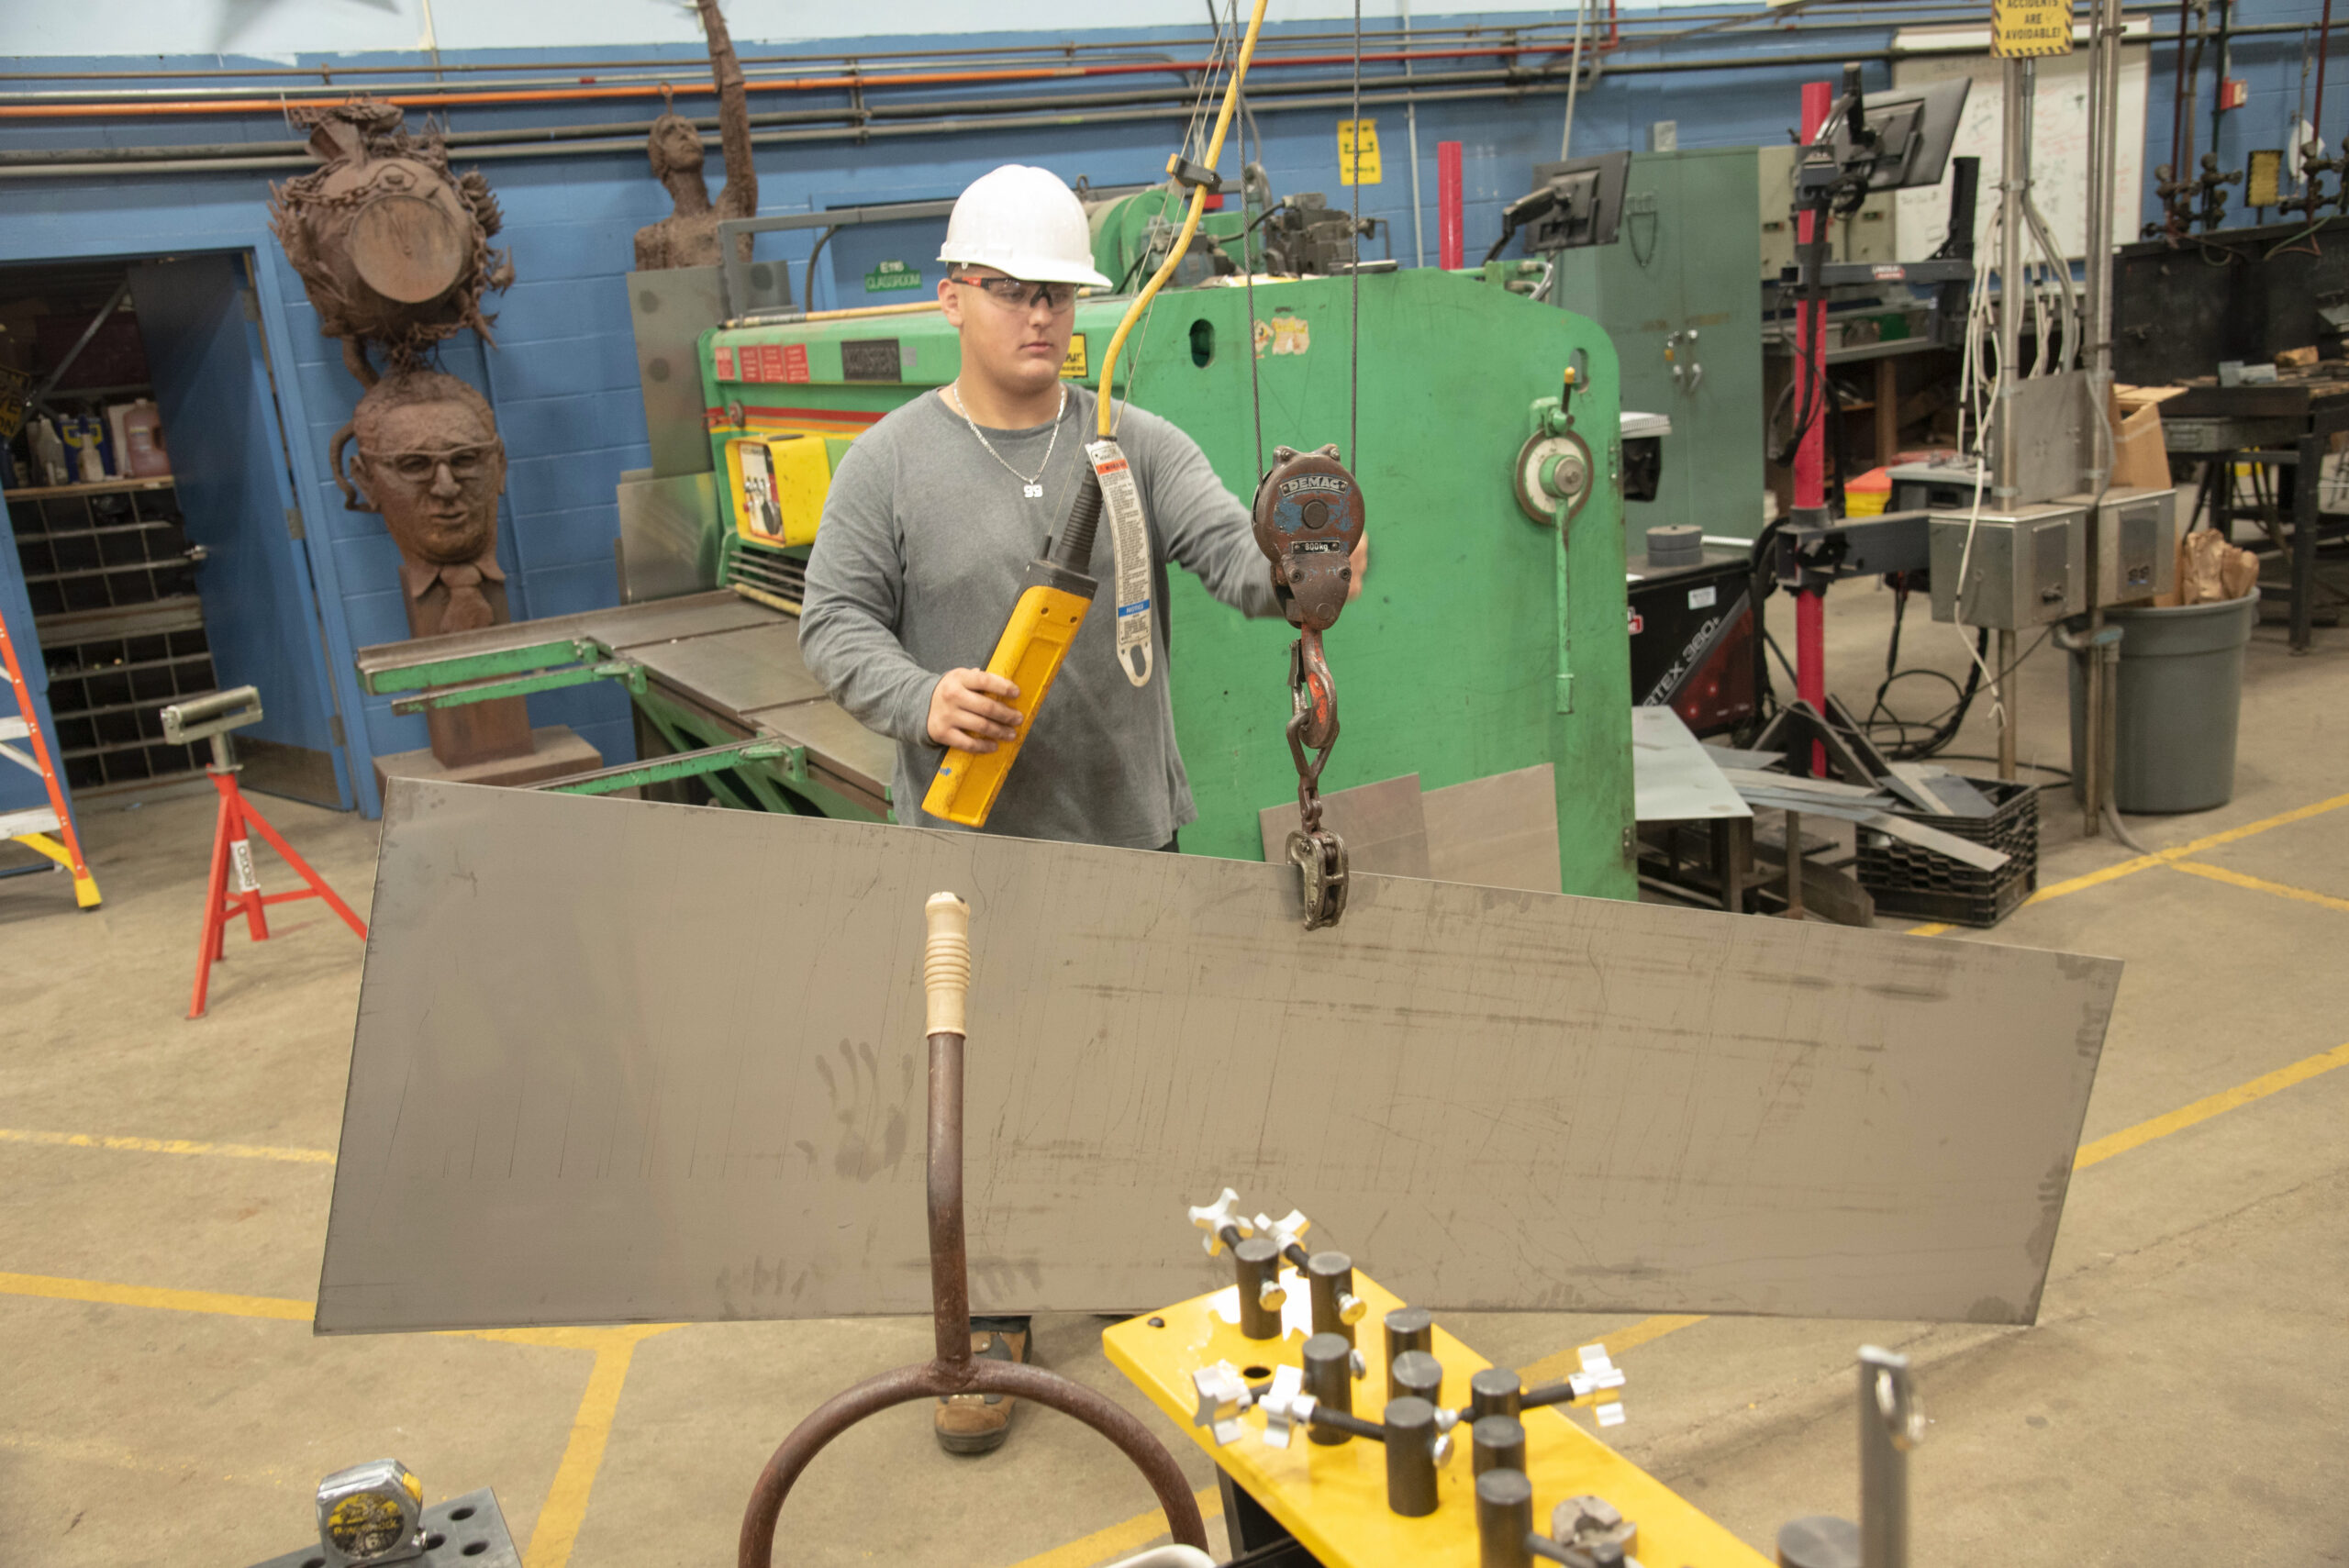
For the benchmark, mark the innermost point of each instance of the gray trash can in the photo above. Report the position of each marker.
(2181, 694)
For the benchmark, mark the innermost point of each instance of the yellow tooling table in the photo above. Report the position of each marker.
(1333, 1499)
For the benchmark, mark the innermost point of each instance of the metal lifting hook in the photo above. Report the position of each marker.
(1308, 517)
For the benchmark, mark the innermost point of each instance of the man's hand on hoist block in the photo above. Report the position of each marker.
(965, 716)
(1360, 562)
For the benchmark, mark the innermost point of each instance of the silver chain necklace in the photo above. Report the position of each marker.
(1031, 488)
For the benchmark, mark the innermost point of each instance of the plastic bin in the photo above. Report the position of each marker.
(1907, 879)
(2181, 694)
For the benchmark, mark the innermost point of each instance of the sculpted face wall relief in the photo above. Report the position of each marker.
(428, 459)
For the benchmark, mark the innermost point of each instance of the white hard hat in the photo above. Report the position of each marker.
(1023, 221)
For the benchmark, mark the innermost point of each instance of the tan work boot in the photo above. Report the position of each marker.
(977, 1423)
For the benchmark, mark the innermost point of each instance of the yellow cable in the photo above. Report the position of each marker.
(1190, 225)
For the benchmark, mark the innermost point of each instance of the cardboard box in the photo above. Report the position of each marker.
(2140, 457)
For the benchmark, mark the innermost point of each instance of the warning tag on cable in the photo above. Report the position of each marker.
(1129, 533)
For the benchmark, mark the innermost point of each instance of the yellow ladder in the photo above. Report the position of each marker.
(48, 829)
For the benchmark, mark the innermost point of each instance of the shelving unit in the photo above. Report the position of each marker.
(111, 576)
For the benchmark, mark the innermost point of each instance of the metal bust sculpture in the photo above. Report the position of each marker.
(390, 243)
(688, 236)
(392, 246)
(428, 459)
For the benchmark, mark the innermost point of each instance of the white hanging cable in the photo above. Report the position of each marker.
(1574, 81)
(1982, 401)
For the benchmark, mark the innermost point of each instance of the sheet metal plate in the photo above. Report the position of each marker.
(737, 672)
(1498, 831)
(668, 544)
(1383, 825)
(619, 1060)
(625, 627)
(837, 743)
(1674, 777)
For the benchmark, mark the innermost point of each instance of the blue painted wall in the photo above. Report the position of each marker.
(562, 374)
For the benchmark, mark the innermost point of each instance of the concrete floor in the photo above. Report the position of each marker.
(2184, 1390)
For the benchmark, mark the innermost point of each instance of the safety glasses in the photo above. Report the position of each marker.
(466, 464)
(1018, 291)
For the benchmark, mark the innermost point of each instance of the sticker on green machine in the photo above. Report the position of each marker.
(891, 276)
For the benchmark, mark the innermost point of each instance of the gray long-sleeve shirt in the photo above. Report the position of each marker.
(924, 542)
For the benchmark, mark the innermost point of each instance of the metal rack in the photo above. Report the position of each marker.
(109, 571)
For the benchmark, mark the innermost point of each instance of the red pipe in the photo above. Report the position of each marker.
(587, 90)
(1449, 238)
(1811, 391)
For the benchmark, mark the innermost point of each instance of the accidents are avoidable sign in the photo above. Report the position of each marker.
(2024, 29)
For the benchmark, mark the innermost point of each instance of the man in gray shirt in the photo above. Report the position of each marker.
(936, 512)
(925, 539)
(932, 518)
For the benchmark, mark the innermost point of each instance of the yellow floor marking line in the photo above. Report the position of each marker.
(2170, 857)
(1104, 1545)
(286, 1310)
(2258, 885)
(574, 1477)
(168, 1146)
(557, 1531)
(1121, 1540)
(213, 1302)
(1645, 1332)
(2202, 1110)
(2192, 847)
(2173, 855)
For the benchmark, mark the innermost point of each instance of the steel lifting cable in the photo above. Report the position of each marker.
(1354, 323)
(1248, 262)
(1108, 421)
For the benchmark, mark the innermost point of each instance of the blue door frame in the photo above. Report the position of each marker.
(21, 789)
(201, 320)
(128, 233)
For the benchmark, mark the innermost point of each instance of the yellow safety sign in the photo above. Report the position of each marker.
(1357, 165)
(1073, 363)
(2021, 29)
(2264, 183)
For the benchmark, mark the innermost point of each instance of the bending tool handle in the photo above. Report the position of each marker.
(946, 961)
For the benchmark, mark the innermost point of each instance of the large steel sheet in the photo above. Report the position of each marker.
(619, 1060)
(736, 672)
(622, 628)
(836, 743)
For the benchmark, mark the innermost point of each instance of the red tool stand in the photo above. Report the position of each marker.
(233, 888)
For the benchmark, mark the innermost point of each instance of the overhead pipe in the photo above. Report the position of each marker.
(298, 151)
(345, 75)
(86, 106)
(1870, 15)
(1032, 112)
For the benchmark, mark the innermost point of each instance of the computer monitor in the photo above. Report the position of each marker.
(1586, 204)
(1911, 129)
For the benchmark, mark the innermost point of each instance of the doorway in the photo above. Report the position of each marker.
(151, 509)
